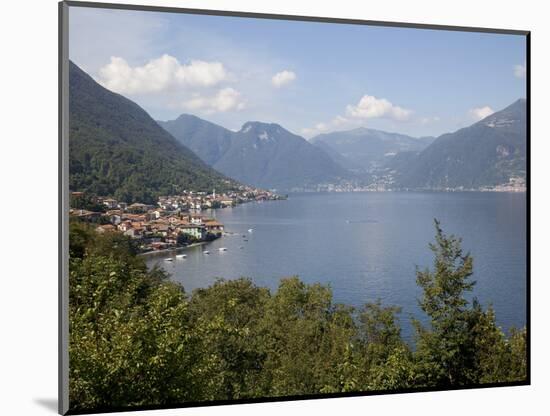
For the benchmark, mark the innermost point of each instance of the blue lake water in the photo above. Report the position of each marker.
(366, 246)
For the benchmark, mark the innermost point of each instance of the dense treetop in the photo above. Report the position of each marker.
(139, 339)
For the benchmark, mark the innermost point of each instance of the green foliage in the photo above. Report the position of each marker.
(87, 202)
(306, 337)
(386, 358)
(184, 239)
(446, 348)
(138, 339)
(463, 345)
(128, 342)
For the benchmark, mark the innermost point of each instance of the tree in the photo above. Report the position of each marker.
(184, 239)
(225, 319)
(445, 349)
(462, 344)
(386, 358)
(138, 339)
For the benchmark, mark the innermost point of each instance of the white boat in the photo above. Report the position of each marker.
(169, 259)
(205, 252)
(222, 249)
(250, 230)
(181, 256)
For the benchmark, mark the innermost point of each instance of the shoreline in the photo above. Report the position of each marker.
(173, 249)
(522, 190)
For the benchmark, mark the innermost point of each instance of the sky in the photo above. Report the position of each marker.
(309, 77)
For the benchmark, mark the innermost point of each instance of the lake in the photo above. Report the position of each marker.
(366, 246)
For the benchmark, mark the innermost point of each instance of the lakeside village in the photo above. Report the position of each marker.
(386, 183)
(175, 222)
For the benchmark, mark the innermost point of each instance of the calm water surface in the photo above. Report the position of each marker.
(367, 245)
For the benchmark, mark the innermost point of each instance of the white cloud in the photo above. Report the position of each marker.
(283, 78)
(520, 71)
(481, 112)
(224, 100)
(338, 122)
(372, 107)
(369, 107)
(159, 74)
(429, 120)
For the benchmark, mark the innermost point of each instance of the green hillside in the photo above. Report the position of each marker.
(487, 153)
(260, 154)
(117, 149)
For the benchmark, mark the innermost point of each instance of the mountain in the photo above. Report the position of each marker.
(117, 149)
(268, 155)
(487, 153)
(208, 140)
(366, 149)
(343, 161)
(260, 154)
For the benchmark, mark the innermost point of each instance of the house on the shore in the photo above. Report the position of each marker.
(84, 214)
(125, 226)
(194, 230)
(110, 203)
(115, 216)
(134, 232)
(137, 208)
(226, 203)
(213, 227)
(158, 245)
(196, 219)
(160, 229)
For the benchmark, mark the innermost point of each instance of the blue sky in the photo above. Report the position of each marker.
(310, 77)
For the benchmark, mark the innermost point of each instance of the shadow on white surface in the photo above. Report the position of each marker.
(49, 404)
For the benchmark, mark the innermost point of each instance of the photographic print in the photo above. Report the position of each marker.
(263, 208)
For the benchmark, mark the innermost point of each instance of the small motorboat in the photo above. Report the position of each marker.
(222, 249)
(205, 252)
(181, 256)
(250, 230)
(169, 259)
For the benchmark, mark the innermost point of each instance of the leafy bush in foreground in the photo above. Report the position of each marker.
(138, 339)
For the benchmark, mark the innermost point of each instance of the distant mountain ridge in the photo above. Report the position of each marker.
(260, 154)
(365, 149)
(208, 140)
(488, 153)
(117, 149)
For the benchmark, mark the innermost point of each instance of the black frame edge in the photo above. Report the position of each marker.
(319, 19)
(63, 204)
(528, 202)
